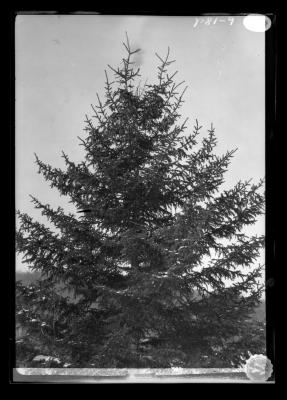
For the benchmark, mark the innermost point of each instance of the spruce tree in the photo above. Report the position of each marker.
(154, 269)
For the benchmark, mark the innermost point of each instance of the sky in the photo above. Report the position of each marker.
(60, 63)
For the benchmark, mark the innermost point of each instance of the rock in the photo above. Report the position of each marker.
(46, 359)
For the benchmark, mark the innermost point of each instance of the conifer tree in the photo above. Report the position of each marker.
(154, 270)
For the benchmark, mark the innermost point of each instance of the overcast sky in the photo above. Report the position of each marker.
(60, 63)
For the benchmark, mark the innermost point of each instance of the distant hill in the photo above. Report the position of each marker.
(29, 277)
(260, 312)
